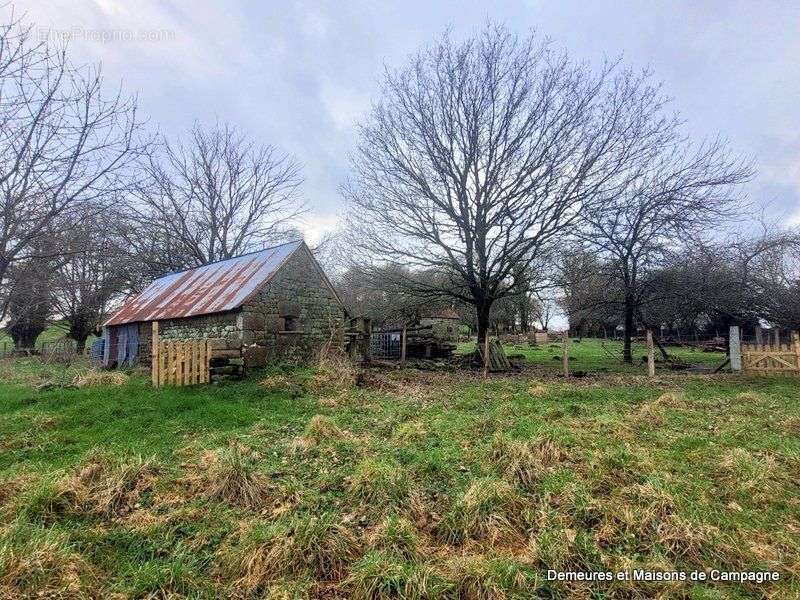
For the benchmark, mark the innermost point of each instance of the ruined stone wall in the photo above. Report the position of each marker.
(292, 316)
(442, 329)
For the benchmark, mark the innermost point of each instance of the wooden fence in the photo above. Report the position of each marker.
(772, 359)
(180, 363)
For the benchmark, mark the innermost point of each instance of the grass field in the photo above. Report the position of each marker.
(297, 483)
(594, 355)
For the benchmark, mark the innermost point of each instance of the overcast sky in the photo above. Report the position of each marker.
(300, 74)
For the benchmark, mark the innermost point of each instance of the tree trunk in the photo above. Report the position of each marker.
(80, 344)
(79, 331)
(482, 312)
(25, 340)
(628, 333)
(524, 316)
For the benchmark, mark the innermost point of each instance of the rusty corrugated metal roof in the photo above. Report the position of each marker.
(212, 288)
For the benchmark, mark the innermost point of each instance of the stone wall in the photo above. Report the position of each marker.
(223, 328)
(145, 352)
(293, 316)
(218, 326)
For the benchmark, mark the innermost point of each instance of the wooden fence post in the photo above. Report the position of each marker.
(735, 348)
(154, 358)
(403, 347)
(796, 347)
(486, 355)
(651, 359)
(565, 353)
(368, 345)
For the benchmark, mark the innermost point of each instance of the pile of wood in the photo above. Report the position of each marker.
(422, 342)
(498, 361)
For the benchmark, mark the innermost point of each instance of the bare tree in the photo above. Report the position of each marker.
(64, 144)
(94, 270)
(543, 309)
(29, 298)
(216, 196)
(737, 281)
(676, 191)
(589, 294)
(780, 284)
(480, 155)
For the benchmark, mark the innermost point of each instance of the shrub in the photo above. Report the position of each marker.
(379, 576)
(233, 478)
(378, 482)
(488, 509)
(396, 536)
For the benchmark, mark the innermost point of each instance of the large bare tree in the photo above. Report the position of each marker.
(480, 155)
(64, 143)
(678, 191)
(214, 196)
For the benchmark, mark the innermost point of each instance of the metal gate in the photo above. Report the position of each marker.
(385, 344)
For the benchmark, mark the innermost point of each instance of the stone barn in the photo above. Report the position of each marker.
(266, 305)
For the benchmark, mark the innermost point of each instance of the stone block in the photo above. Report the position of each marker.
(255, 356)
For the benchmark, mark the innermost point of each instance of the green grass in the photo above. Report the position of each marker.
(411, 485)
(594, 355)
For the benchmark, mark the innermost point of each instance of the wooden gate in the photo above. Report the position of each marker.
(772, 359)
(179, 363)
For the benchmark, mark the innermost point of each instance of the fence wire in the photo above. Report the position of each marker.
(702, 353)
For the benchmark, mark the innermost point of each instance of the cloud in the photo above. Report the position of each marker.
(300, 74)
(315, 227)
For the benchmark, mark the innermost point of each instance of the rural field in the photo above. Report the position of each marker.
(326, 482)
